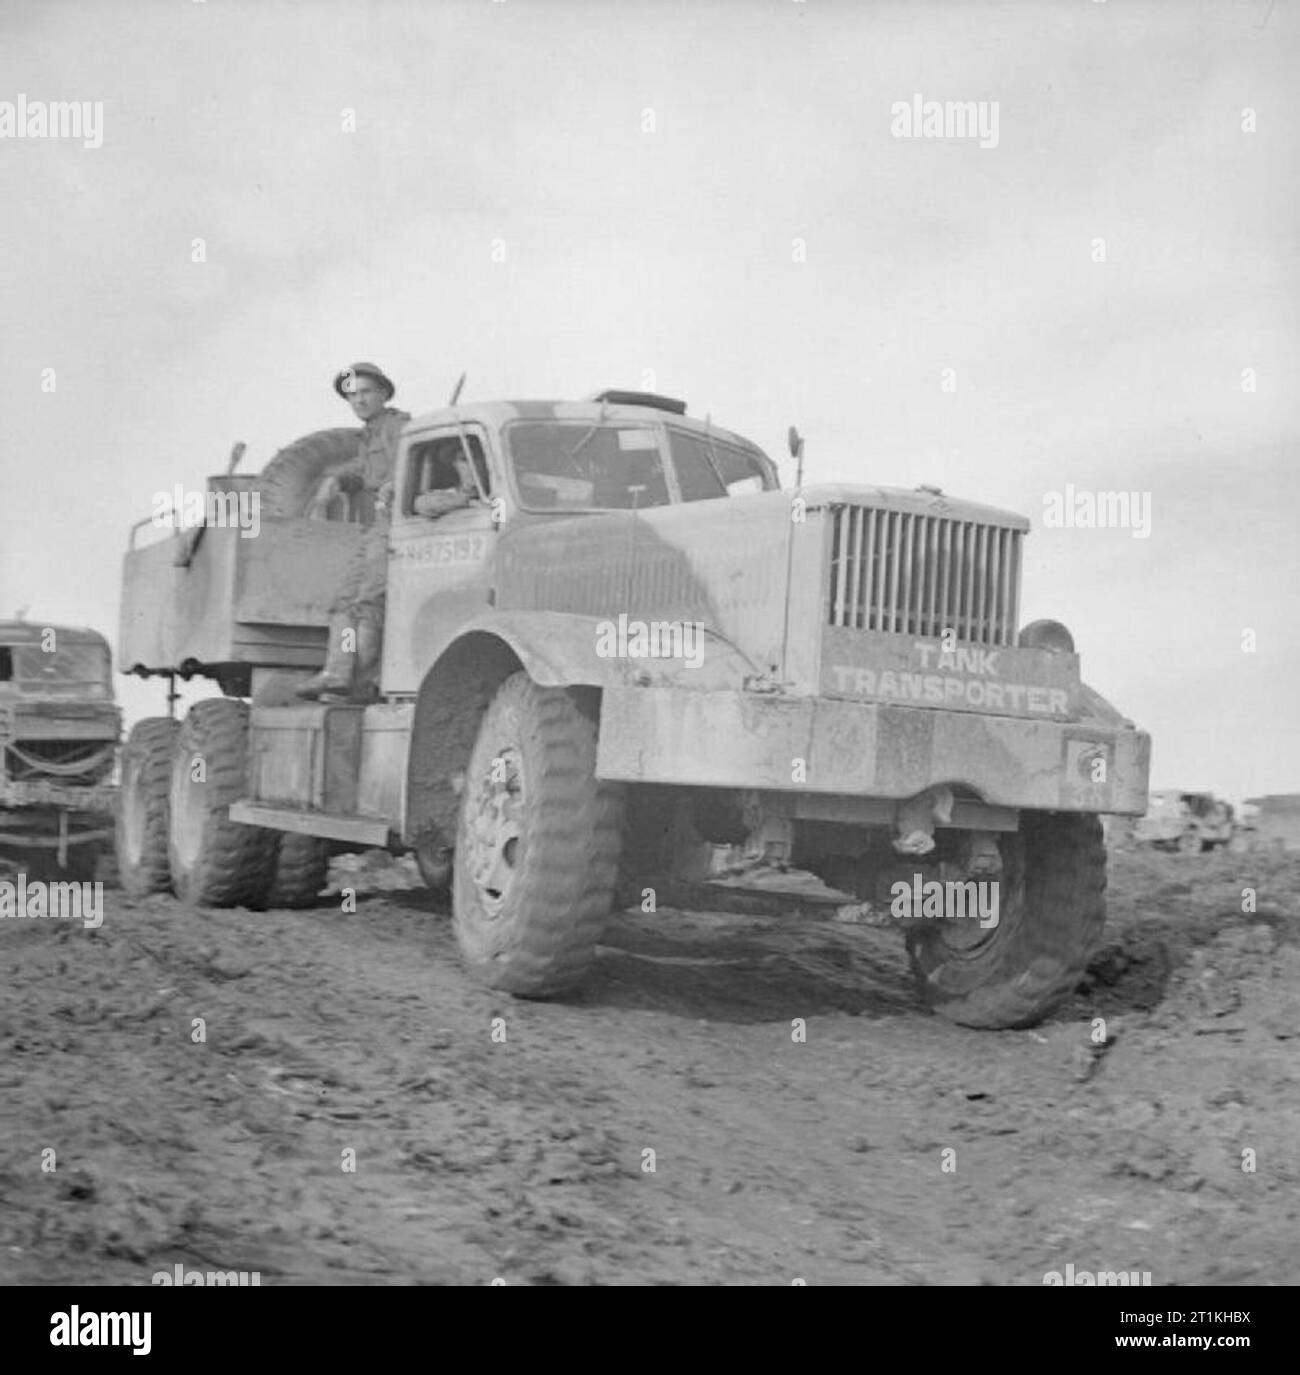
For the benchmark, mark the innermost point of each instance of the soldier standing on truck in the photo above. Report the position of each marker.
(357, 615)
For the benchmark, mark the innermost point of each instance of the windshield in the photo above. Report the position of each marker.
(70, 670)
(574, 466)
(578, 466)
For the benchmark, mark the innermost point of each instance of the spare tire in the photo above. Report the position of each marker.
(289, 481)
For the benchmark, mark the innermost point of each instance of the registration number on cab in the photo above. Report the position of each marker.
(439, 552)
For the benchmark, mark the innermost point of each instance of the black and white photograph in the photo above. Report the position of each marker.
(649, 643)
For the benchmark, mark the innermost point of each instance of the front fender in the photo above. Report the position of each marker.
(559, 649)
(555, 649)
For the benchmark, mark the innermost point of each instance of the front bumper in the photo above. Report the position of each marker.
(863, 749)
(38, 792)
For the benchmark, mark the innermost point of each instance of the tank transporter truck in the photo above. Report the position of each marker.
(631, 647)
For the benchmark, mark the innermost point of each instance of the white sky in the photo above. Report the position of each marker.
(669, 251)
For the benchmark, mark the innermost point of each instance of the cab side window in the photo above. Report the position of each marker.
(695, 474)
(433, 466)
(708, 467)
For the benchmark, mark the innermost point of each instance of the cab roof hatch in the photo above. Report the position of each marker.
(640, 398)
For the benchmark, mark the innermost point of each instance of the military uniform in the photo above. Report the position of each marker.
(362, 591)
(351, 670)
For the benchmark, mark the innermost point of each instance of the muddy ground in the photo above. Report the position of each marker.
(524, 1158)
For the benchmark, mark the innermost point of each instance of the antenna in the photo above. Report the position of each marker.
(455, 395)
(795, 440)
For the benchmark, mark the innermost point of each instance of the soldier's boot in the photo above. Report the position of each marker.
(335, 679)
(370, 643)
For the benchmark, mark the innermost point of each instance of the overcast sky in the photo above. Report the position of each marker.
(557, 196)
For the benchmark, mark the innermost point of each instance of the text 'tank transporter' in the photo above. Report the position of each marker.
(631, 647)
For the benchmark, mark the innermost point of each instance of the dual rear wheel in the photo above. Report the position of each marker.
(173, 831)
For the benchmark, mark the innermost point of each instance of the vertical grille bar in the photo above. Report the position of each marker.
(968, 584)
(895, 546)
(1014, 599)
(958, 580)
(859, 571)
(979, 623)
(995, 589)
(839, 555)
(869, 567)
(936, 571)
(905, 603)
(945, 596)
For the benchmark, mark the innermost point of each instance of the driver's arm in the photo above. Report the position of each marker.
(435, 504)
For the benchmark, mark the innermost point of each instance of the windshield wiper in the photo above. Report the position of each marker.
(572, 454)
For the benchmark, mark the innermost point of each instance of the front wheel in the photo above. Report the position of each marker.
(537, 844)
(1051, 911)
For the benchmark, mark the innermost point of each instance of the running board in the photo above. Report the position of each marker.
(360, 830)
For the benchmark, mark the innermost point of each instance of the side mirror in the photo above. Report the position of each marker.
(795, 441)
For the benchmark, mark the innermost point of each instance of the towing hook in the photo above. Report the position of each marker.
(915, 820)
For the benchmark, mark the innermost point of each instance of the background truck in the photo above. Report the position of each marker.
(1184, 821)
(633, 646)
(59, 731)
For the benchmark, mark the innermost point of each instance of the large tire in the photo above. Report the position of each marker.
(537, 844)
(289, 481)
(1051, 911)
(144, 807)
(216, 862)
(301, 871)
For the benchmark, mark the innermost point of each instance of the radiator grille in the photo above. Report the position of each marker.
(914, 574)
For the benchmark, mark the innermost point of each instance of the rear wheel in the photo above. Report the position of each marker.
(144, 807)
(301, 871)
(537, 844)
(1051, 910)
(216, 862)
